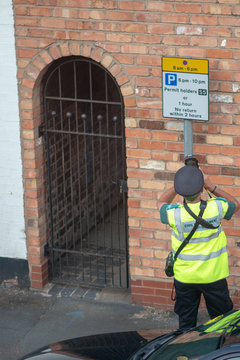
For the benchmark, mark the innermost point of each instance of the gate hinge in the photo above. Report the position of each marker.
(46, 249)
(41, 130)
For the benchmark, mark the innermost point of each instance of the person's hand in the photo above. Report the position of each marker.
(208, 185)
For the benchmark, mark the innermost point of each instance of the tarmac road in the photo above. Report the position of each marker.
(30, 319)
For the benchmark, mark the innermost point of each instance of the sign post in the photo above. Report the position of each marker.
(185, 92)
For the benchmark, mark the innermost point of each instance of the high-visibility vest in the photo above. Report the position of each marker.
(223, 323)
(204, 259)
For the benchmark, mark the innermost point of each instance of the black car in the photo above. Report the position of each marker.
(217, 339)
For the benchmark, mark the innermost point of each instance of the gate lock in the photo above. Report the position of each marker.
(122, 184)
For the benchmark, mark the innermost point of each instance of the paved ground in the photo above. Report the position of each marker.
(30, 319)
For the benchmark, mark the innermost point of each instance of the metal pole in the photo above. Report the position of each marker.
(188, 138)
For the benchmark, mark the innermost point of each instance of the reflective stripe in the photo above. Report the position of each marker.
(220, 209)
(225, 323)
(177, 218)
(202, 239)
(212, 255)
(187, 226)
(181, 226)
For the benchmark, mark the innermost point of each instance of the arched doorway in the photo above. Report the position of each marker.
(84, 141)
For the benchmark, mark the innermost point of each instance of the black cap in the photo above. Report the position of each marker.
(188, 181)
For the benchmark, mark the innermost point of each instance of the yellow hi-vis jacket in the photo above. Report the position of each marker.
(204, 259)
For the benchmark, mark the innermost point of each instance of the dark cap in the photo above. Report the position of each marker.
(188, 181)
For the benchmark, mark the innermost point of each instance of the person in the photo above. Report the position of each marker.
(201, 268)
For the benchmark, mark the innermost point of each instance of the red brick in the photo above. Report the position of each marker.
(229, 21)
(130, 102)
(41, 33)
(217, 9)
(140, 213)
(175, 147)
(194, 52)
(132, 5)
(203, 41)
(47, 2)
(150, 39)
(140, 194)
(138, 113)
(38, 284)
(134, 49)
(175, 18)
(133, 28)
(151, 104)
(159, 6)
(119, 38)
(141, 252)
(189, 8)
(148, 17)
(154, 145)
(138, 133)
(131, 143)
(218, 31)
(102, 4)
(165, 136)
(204, 20)
(52, 23)
(119, 16)
(26, 53)
(175, 40)
(161, 29)
(37, 11)
(26, 21)
(37, 269)
(20, 10)
(219, 53)
(221, 75)
(77, 3)
(149, 82)
(152, 224)
(133, 203)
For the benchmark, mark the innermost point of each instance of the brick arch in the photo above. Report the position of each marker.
(32, 149)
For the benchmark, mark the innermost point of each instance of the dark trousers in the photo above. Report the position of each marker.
(188, 298)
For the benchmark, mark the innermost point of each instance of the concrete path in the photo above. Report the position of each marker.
(30, 319)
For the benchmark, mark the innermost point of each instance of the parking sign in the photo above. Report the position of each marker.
(185, 88)
(170, 79)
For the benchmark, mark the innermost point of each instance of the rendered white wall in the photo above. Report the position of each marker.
(12, 228)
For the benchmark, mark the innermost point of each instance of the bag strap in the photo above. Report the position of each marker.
(203, 222)
(184, 243)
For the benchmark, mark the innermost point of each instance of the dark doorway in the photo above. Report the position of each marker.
(84, 140)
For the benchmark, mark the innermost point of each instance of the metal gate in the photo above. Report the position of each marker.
(85, 150)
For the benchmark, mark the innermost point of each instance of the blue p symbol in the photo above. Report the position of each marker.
(170, 79)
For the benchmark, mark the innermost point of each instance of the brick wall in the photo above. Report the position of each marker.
(129, 38)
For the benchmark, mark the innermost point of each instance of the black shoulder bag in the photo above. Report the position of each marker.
(171, 257)
(199, 218)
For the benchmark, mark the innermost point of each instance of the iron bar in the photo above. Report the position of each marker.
(86, 185)
(116, 169)
(50, 195)
(88, 253)
(82, 133)
(83, 100)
